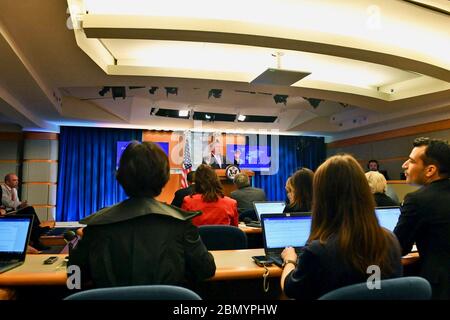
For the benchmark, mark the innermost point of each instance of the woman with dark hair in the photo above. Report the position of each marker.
(209, 198)
(345, 236)
(299, 191)
(140, 240)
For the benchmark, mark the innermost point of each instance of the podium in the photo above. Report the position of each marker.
(228, 185)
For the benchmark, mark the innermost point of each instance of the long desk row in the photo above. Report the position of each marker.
(231, 265)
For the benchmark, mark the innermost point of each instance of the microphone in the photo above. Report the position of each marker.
(69, 236)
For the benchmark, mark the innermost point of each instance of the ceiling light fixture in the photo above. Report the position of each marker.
(103, 91)
(216, 93)
(183, 113)
(313, 102)
(280, 98)
(152, 90)
(241, 117)
(118, 92)
(171, 90)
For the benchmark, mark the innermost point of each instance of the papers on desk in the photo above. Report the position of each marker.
(69, 224)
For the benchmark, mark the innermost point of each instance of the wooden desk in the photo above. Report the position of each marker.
(231, 265)
(34, 273)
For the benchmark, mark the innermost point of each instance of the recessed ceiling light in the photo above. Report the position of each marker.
(183, 113)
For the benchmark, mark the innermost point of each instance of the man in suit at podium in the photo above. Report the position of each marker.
(215, 159)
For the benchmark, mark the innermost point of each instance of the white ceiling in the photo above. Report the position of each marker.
(373, 63)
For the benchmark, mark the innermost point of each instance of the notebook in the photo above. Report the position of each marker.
(264, 207)
(284, 230)
(388, 216)
(14, 235)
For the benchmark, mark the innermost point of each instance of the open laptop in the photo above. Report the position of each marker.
(264, 207)
(284, 230)
(14, 235)
(387, 216)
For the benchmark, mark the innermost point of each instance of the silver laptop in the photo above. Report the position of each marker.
(388, 216)
(271, 207)
(14, 235)
(284, 230)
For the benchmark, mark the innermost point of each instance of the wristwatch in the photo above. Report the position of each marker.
(289, 261)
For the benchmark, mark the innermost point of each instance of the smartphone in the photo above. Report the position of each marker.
(262, 261)
(51, 260)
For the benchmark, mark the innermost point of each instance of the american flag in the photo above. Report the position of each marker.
(187, 163)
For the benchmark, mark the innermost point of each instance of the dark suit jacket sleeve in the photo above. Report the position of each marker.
(408, 223)
(301, 282)
(199, 262)
(177, 199)
(79, 256)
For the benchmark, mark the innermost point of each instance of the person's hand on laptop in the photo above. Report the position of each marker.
(289, 254)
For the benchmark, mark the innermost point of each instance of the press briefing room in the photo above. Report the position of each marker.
(259, 152)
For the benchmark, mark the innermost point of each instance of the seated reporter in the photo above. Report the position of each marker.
(141, 241)
(209, 198)
(345, 235)
(299, 191)
(378, 186)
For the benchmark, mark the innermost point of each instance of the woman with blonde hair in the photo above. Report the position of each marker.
(378, 186)
(345, 236)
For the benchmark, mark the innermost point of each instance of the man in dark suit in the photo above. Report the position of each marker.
(425, 213)
(180, 194)
(245, 194)
(216, 160)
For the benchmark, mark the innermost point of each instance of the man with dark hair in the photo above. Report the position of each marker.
(373, 165)
(425, 213)
(180, 194)
(141, 241)
(246, 194)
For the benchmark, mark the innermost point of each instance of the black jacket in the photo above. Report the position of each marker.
(141, 241)
(180, 194)
(425, 220)
(383, 200)
(322, 269)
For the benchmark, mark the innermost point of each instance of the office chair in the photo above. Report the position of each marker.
(406, 288)
(250, 214)
(222, 237)
(147, 292)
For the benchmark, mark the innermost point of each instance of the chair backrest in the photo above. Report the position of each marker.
(407, 288)
(222, 237)
(249, 214)
(148, 292)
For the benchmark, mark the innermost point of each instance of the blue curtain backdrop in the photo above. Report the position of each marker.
(86, 170)
(294, 152)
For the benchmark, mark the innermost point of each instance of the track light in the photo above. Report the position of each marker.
(104, 91)
(171, 90)
(280, 98)
(152, 90)
(216, 93)
(241, 117)
(118, 92)
(313, 102)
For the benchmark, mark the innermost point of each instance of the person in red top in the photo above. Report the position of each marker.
(209, 198)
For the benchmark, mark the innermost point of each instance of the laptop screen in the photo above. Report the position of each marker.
(282, 231)
(14, 233)
(266, 207)
(388, 216)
